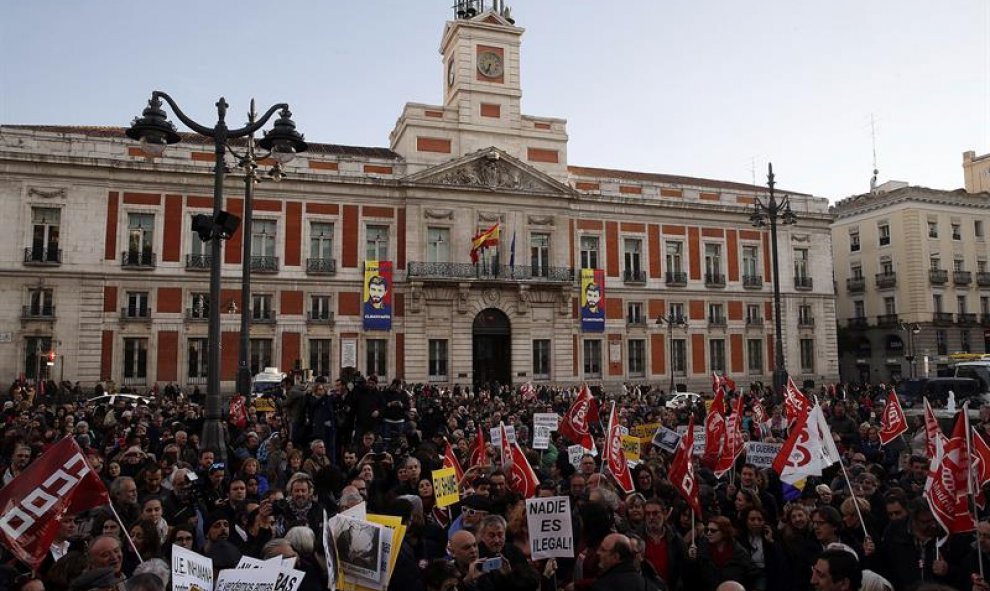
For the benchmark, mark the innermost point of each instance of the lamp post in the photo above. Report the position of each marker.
(671, 321)
(156, 132)
(776, 213)
(911, 330)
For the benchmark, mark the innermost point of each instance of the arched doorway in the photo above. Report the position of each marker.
(492, 347)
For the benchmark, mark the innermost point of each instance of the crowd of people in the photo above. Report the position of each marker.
(329, 447)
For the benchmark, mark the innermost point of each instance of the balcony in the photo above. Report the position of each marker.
(636, 322)
(886, 280)
(320, 317)
(983, 279)
(43, 257)
(717, 322)
(321, 266)
(197, 314)
(636, 276)
(462, 271)
(938, 276)
(887, 320)
(803, 283)
(754, 321)
(962, 277)
(752, 281)
(714, 280)
(198, 262)
(942, 318)
(856, 284)
(130, 314)
(38, 313)
(966, 319)
(132, 259)
(860, 322)
(263, 316)
(264, 264)
(806, 322)
(676, 278)
(985, 319)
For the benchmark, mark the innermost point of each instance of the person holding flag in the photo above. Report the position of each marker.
(615, 457)
(576, 423)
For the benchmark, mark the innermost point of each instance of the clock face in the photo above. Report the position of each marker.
(490, 64)
(450, 73)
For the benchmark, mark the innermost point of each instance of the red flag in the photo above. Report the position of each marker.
(956, 453)
(796, 404)
(478, 456)
(518, 472)
(893, 422)
(57, 483)
(528, 392)
(761, 418)
(932, 431)
(682, 469)
(575, 424)
(505, 448)
(614, 455)
(715, 429)
(716, 383)
(450, 461)
(947, 502)
(723, 382)
(238, 412)
(733, 445)
(980, 459)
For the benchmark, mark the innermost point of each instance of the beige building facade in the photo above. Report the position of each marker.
(102, 267)
(913, 280)
(976, 172)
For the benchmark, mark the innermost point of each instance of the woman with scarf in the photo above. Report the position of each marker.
(719, 558)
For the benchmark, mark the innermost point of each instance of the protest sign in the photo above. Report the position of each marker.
(762, 454)
(546, 419)
(574, 454)
(645, 431)
(631, 447)
(496, 433)
(191, 571)
(541, 437)
(359, 547)
(445, 487)
(699, 439)
(550, 533)
(667, 439)
(256, 579)
(330, 552)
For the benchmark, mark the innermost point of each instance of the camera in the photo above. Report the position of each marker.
(280, 507)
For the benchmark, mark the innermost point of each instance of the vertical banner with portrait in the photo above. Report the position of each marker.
(592, 300)
(377, 295)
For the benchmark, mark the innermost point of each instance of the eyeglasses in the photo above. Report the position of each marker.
(473, 512)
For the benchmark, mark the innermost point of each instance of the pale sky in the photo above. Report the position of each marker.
(711, 89)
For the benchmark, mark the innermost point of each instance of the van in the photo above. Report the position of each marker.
(977, 370)
(936, 390)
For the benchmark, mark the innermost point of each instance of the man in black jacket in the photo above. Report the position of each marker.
(615, 559)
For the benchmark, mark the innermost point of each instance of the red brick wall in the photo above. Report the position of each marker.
(110, 244)
(230, 347)
(694, 254)
(400, 355)
(170, 300)
(698, 354)
(655, 248)
(658, 355)
(349, 251)
(349, 303)
(172, 239)
(168, 356)
(233, 247)
(612, 248)
(109, 298)
(293, 233)
(291, 349)
(736, 343)
(106, 355)
(732, 260)
(292, 302)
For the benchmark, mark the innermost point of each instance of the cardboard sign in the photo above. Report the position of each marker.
(645, 431)
(574, 454)
(263, 404)
(445, 487)
(541, 437)
(762, 454)
(546, 419)
(699, 438)
(190, 570)
(667, 439)
(631, 446)
(496, 435)
(550, 533)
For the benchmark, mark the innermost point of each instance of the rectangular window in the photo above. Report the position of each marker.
(856, 271)
(804, 315)
(984, 305)
(592, 358)
(859, 309)
(319, 357)
(199, 305)
(800, 263)
(632, 257)
(752, 313)
(321, 240)
(964, 340)
(637, 358)
(956, 231)
(262, 307)
(713, 260)
(676, 313)
(634, 313)
(377, 361)
(589, 252)
(140, 238)
(438, 245)
(376, 243)
(197, 357)
(137, 304)
(957, 265)
(541, 359)
(978, 229)
(260, 355)
(539, 254)
(883, 231)
(935, 263)
(981, 266)
(932, 228)
(716, 314)
(941, 342)
(438, 360)
(36, 351)
(45, 231)
(319, 308)
(678, 356)
(675, 257)
(716, 354)
(42, 303)
(854, 241)
(889, 306)
(263, 238)
(807, 355)
(751, 261)
(754, 356)
(937, 302)
(135, 358)
(961, 304)
(886, 266)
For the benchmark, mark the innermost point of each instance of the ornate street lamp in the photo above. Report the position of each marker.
(156, 132)
(776, 213)
(671, 322)
(912, 330)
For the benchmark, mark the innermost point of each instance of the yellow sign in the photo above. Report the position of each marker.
(262, 404)
(445, 487)
(645, 431)
(631, 446)
(708, 404)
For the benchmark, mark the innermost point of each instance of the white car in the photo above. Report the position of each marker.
(682, 399)
(112, 399)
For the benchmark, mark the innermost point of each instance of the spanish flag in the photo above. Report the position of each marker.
(483, 240)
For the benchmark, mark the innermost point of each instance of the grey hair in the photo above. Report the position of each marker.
(118, 484)
(350, 499)
(179, 474)
(301, 538)
(609, 497)
(411, 460)
(269, 550)
(490, 521)
(155, 566)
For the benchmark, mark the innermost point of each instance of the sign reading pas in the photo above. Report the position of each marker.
(377, 296)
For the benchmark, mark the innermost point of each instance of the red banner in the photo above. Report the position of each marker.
(948, 503)
(682, 469)
(450, 461)
(518, 472)
(59, 482)
(893, 422)
(733, 445)
(796, 404)
(932, 431)
(715, 430)
(574, 425)
(614, 455)
(478, 456)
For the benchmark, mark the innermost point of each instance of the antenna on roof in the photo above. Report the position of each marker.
(876, 171)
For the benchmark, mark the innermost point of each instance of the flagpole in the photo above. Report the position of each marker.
(969, 483)
(126, 533)
(852, 492)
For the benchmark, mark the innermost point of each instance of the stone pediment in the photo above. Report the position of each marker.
(490, 169)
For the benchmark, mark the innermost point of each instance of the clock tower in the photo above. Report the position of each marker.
(482, 89)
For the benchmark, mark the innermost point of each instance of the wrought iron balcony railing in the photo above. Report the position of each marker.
(43, 257)
(321, 266)
(196, 314)
(752, 281)
(859, 322)
(983, 279)
(263, 316)
(855, 284)
(717, 321)
(754, 321)
(938, 276)
(133, 259)
(942, 317)
(135, 314)
(887, 320)
(676, 278)
(714, 280)
(636, 322)
(966, 319)
(634, 276)
(264, 264)
(806, 322)
(886, 280)
(461, 271)
(985, 319)
(38, 313)
(198, 262)
(962, 277)
(803, 282)
(321, 317)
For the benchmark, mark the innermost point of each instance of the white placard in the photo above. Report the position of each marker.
(348, 353)
(550, 533)
(541, 437)
(699, 438)
(762, 454)
(256, 579)
(189, 569)
(574, 454)
(667, 439)
(496, 433)
(547, 419)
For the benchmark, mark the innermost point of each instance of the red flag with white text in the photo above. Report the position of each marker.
(733, 445)
(59, 482)
(980, 460)
(575, 424)
(614, 456)
(893, 422)
(715, 430)
(478, 455)
(932, 430)
(450, 461)
(947, 502)
(682, 469)
(796, 403)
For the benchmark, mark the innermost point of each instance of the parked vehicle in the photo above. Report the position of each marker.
(682, 399)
